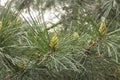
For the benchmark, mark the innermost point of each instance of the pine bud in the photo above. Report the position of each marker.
(19, 21)
(21, 64)
(37, 55)
(102, 28)
(117, 70)
(90, 42)
(97, 4)
(54, 42)
(75, 36)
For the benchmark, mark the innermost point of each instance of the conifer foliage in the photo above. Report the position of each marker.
(83, 45)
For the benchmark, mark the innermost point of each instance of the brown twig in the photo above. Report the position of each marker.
(87, 49)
